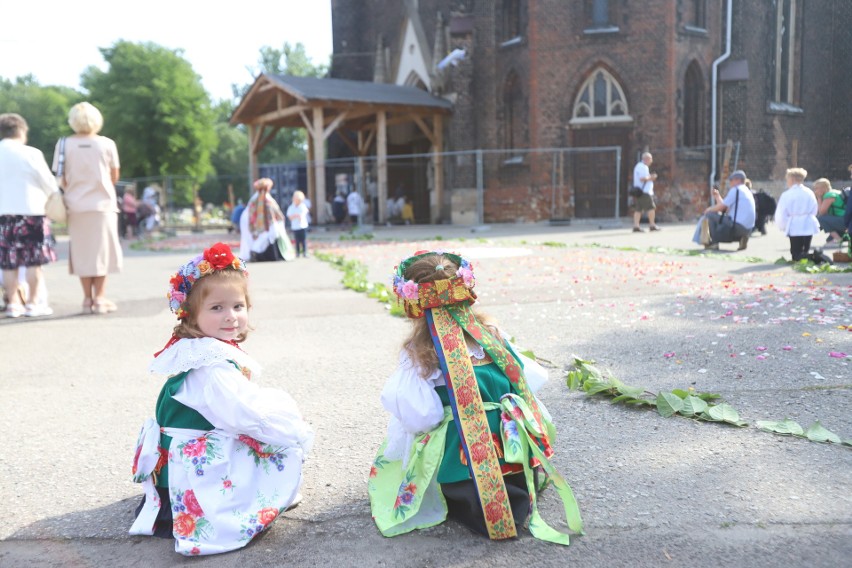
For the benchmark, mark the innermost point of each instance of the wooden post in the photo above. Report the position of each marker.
(319, 165)
(309, 168)
(382, 156)
(361, 172)
(252, 166)
(438, 164)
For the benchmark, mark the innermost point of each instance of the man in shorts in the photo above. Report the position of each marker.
(643, 180)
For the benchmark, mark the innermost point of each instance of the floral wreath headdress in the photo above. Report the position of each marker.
(417, 298)
(217, 257)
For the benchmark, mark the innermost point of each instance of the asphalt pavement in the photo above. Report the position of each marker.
(652, 491)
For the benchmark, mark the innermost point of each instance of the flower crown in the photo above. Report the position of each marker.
(217, 257)
(417, 298)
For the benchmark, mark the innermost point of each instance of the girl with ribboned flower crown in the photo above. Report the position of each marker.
(467, 437)
(223, 458)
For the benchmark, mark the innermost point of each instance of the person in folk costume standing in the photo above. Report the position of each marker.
(223, 458)
(796, 214)
(263, 235)
(467, 437)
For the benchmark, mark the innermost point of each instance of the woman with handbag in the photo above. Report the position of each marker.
(89, 169)
(25, 239)
(730, 219)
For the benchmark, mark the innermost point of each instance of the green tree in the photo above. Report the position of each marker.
(157, 111)
(290, 144)
(44, 108)
(230, 159)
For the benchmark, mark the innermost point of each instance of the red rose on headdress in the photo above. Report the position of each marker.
(219, 256)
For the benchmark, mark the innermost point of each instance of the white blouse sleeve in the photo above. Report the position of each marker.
(234, 404)
(411, 398)
(535, 374)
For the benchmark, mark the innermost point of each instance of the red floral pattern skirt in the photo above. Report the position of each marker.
(25, 240)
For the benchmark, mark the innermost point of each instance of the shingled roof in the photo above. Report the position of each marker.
(311, 88)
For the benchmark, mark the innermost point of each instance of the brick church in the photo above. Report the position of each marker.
(583, 74)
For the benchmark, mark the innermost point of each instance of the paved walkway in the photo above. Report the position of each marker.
(653, 491)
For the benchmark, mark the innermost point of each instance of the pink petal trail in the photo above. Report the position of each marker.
(669, 355)
(837, 354)
(760, 348)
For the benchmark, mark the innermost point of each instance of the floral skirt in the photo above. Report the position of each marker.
(25, 240)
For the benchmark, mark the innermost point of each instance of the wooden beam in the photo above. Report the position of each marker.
(424, 128)
(278, 114)
(268, 86)
(266, 139)
(252, 165)
(333, 126)
(348, 142)
(312, 193)
(308, 124)
(364, 144)
(382, 156)
(255, 138)
(319, 165)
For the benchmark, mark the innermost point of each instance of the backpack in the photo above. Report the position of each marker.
(766, 204)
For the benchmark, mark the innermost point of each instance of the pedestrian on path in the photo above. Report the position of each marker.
(25, 239)
(298, 213)
(263, 235)
(796, 215)
(224, 456)
(91, 168)
(643, 193)
(466, 433)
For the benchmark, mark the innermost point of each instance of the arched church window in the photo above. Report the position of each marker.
(600, 99)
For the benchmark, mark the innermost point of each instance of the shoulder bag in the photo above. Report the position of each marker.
(55, 208)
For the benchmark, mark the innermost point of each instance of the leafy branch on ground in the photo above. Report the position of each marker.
(697, 405)
(810, 267)
(587, 377)
(353, 236)
(355, 278)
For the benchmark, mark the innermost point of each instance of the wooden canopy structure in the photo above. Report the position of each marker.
(325, 106)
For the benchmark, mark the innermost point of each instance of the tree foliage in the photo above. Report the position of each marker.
(157, 111)
(290, 144)
(44, 108)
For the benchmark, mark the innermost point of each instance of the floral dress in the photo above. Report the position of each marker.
(229, 452)
(422, 450)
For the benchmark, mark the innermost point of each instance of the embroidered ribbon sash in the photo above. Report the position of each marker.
(469, 414)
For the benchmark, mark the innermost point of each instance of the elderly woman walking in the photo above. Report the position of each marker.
(91, 169)
(25, 240)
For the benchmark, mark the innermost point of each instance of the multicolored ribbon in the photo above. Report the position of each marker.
(472, 423)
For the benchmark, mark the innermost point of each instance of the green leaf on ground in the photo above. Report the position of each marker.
(693, 405)
(817, 433)
(725, 413)
(668, 404)
(785, 427)
(681, 393)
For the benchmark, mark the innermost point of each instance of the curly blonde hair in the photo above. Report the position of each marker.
(419, 344)
(188, 328)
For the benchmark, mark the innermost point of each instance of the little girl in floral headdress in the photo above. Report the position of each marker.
(467, 437)
(224, 456)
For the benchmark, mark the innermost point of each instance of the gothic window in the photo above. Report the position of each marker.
(512, 125)
(693, 106)
(511, 24)
(785, 49)
(601, 99)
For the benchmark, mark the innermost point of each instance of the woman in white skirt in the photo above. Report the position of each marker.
(89, 174)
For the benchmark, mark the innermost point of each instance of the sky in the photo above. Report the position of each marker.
(49, 39)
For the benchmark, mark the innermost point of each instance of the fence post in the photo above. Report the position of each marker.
(480, 189)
